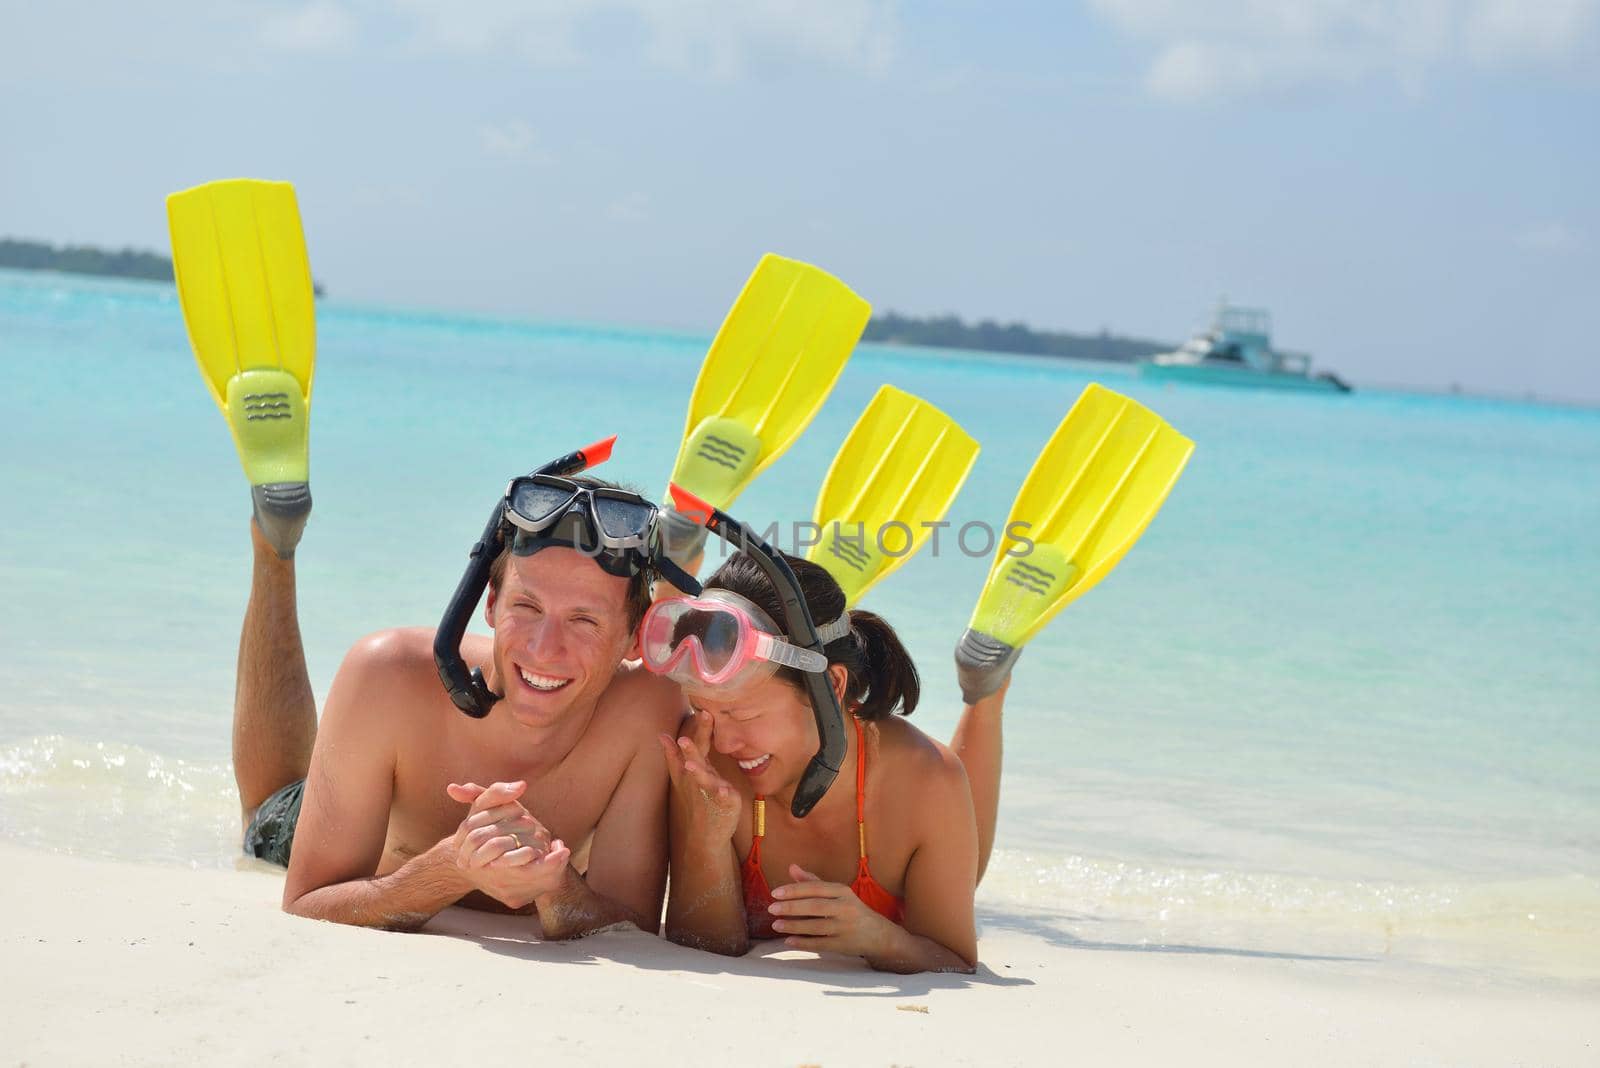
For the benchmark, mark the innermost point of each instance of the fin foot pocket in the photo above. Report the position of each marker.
(281, 510)
(983, 664)
(851, 555)
(267, 413)
(719, 457)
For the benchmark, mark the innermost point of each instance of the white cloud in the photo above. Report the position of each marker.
(542, 30)
(1550, 237)
(711, 39)
(1193, 69)
(633, 207)
(722, 39)
(315, 27)
(1502, 31)
(718, 39)
(1224, 48)
(513, 140)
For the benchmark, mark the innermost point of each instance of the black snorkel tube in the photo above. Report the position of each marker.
(467, 689)
(799, 630)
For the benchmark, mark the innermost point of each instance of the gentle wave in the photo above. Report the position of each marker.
(1546, 926)
(119, 802)
(122, 802)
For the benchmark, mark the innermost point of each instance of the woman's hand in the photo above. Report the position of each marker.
(707, 804)
(822, 916)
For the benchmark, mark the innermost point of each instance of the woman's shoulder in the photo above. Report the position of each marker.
(912, 760)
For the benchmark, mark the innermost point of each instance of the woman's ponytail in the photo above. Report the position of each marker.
(883, 680)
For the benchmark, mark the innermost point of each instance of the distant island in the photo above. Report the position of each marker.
(949, 332)
(940, 331)
(82, 259)
(85, 259)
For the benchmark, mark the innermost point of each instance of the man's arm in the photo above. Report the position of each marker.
(344, 816)
(628, 861)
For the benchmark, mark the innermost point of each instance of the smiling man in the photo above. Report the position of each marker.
(382, 805)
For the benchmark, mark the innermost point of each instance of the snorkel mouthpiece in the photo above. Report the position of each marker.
(468, 689)
(799, 630)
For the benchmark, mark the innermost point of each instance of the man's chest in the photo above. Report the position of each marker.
(568, 799)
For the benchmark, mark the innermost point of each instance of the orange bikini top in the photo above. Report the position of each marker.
(758, 895)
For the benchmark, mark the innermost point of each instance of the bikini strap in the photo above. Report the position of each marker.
(758, 826)
(861, 788)
(758, 807)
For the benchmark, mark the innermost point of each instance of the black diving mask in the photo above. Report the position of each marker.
(615, 528)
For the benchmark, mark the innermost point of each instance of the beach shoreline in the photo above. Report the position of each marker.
(133, 963)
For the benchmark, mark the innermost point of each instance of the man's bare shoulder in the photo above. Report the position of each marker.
(398, 653)
(385, 673)
(639, 702)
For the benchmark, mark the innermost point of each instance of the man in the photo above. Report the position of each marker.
(393, 825)
(382, 806)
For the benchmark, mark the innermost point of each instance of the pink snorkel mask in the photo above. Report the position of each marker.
(720, 649)
(722, 641)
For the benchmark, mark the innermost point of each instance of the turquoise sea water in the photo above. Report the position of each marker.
(1343, 698)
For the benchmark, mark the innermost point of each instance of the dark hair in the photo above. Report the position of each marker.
(638, 595)
(883, 680)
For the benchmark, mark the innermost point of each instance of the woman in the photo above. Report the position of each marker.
(885, 865)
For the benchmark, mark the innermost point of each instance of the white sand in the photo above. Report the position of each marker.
(111, 963)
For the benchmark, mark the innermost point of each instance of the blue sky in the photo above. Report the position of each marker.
(1409, 185)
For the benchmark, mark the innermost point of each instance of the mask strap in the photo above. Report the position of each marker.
(685, 582)
(829, 633)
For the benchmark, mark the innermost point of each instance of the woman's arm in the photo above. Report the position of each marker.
(705, 907)
(940, 929)
(939, 933)
(705, 898)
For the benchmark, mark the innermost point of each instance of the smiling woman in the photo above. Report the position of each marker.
(885, 871)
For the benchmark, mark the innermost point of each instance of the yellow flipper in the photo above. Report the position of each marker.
(900, 467)
(244, 281)
(1099, 481)
(771, 366)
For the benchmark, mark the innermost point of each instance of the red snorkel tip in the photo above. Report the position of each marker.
(689, 506)
(598, 453)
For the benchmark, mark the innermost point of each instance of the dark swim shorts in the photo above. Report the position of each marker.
(270, 835)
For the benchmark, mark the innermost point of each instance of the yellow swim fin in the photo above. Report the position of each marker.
(1099, 481)
(244, 282)
(771, 366)
(899, 469)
